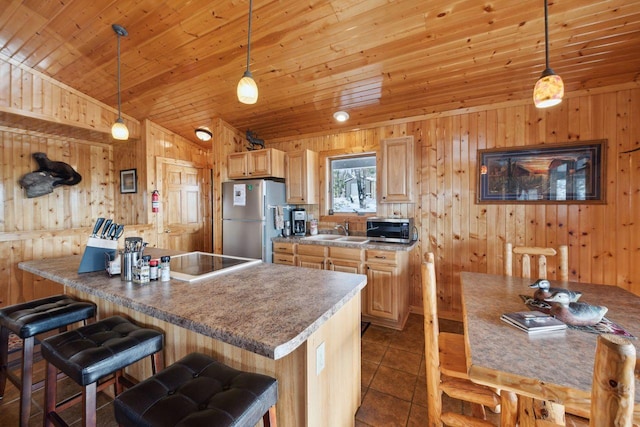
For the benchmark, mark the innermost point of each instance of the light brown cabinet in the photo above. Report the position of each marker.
(267, 163)
(300, 177)
(395, 170)
(311, 256)
(284, 253)
(347, 260)
(385, 299)
(387, 291)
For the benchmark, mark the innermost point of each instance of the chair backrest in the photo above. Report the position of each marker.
(431, 332)
(613, 387)
(526, 253)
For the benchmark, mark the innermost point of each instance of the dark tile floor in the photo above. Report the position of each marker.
(393, 383)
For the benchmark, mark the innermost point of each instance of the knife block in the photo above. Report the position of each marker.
(93, 257)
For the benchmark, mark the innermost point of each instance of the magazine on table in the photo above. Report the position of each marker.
(533, 321)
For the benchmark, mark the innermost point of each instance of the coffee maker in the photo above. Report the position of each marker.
(299, 221)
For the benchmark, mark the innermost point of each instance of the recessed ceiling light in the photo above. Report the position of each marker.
(203, 134)
(341, 116)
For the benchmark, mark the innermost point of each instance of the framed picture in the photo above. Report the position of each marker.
(128, 181)
(558, 173)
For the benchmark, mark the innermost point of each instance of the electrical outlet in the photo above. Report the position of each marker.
(319, 358)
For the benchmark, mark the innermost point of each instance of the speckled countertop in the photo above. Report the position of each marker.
(368, 245)
(564, 358)
(268, 309)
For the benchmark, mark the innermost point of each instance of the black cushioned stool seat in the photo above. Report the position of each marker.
(199, 391)
(92, 352)
(27, 320)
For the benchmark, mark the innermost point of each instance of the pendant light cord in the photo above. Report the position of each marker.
(119, 115)
(249, 35)
(546, 35)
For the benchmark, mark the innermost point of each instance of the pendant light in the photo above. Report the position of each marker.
(247, 88)
(119, 130)
(549, 88)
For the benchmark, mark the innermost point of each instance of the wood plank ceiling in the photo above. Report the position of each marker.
(377, 59)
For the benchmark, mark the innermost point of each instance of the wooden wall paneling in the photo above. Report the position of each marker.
(633, 162)
(623, 196)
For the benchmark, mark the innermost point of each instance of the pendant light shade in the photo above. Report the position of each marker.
(247, 89)
(119, 130)
(549, 89)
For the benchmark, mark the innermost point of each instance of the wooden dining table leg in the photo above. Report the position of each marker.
(535, 412)
(508, 408)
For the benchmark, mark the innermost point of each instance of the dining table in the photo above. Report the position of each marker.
(555, 366)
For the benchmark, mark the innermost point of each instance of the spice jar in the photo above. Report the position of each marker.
(153, 269)
(165, 268)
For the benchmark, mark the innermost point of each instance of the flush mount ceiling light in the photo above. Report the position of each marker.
(247, 88)
(203, 134)
(119, 129)
(341, 116)
(549, 88)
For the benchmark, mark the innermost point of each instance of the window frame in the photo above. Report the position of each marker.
(328, 202)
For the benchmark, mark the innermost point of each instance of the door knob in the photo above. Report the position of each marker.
(167, 231)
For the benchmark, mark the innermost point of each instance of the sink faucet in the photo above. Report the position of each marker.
(344, 227)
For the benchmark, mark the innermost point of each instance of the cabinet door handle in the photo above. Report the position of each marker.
(380, 257)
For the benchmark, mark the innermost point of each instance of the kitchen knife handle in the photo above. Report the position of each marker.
(105, 229)
(96, 227)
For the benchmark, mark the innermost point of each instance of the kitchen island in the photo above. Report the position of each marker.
(301, 326)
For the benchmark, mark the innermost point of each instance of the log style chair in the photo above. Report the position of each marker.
(199, 391)
(26, 320)
(446, 369)
(526, 254)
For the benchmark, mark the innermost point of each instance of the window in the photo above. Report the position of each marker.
(353, 184)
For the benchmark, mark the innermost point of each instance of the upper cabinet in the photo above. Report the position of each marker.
(395, 170)
(300, 177)
(267, 163)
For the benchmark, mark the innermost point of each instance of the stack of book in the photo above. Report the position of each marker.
(533, 322)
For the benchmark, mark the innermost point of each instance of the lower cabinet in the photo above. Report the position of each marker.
(385, 299)
(284, 253)
(387, 296)
(311, 256)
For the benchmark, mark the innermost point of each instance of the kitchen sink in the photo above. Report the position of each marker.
(353, 239)
(338, 238)
(324, 237)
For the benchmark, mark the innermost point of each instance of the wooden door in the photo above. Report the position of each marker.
(396, 170)
(181, 212)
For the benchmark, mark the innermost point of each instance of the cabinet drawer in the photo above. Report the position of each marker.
(286, 248)
(314, 250)
(286, 259)
(345, 253)
(381, 257)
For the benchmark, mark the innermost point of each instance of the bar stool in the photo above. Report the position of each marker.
(197, 390)
(90, 353)
(27, 320)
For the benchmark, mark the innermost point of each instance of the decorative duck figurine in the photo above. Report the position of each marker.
(544, 290)
(575, 313)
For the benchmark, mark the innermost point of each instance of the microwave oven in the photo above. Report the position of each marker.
(393, 230)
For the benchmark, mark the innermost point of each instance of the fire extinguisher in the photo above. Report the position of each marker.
(155, 201)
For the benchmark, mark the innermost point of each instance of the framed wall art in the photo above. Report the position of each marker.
(128, 181)
(550, 173)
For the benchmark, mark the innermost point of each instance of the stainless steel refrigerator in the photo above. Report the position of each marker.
(248, 210)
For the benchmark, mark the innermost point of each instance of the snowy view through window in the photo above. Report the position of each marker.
(353, 184)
